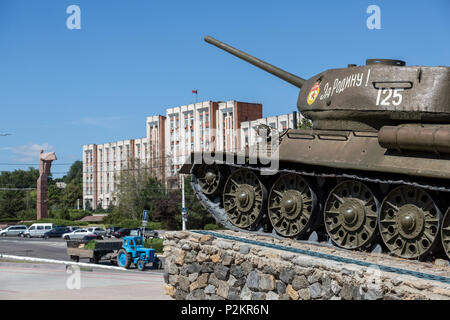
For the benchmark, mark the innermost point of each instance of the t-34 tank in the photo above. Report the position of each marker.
(375, 168)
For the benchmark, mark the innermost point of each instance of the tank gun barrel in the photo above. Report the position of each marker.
(280, 73)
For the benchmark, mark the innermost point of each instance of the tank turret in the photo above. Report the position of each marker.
(365, 98)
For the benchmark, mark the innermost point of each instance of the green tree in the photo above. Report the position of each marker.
(137, 189)
(70, 194)
(22, 203)
(64, 213)
(11, 203)
(14, 202)
(168, 211)
(305, 124)
(75, 174)
(54, 195)
(198, 216)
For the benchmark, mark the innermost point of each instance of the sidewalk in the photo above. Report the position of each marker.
(22, 281)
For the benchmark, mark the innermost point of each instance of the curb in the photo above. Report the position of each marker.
(81, 264)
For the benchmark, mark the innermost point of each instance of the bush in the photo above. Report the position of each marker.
(27, 214)
(10, 220)
(64, 214)
(154, 225)
(212, 226)
(131, 223)
(58, 222)
(155, 243)
(78, 214)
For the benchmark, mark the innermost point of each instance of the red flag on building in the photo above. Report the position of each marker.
(194, 91)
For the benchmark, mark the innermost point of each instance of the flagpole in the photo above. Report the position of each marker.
(196, 95)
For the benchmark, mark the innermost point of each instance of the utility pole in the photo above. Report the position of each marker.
(183, 205)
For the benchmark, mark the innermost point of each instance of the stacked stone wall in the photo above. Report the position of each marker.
(201, 267)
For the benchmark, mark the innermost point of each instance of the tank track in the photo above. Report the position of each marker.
(214, 205)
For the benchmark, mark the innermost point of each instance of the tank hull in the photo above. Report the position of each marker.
(347, 150)
(327, 159)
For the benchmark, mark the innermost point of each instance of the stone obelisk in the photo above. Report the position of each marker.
(45, 162)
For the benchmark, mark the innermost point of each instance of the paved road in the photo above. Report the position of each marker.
(34, 247)
(53, 248)
(56, 282)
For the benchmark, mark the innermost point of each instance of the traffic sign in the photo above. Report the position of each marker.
(145, 218)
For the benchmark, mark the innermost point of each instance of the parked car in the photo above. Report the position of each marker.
(146, 232)
(88, 238)
(77, 234)
(122, 232)
(149, 233)
(98, 231)
(111, 230)
(134, 232)
(56, 232)
(13, 230)
(37, 230)
(72, 228)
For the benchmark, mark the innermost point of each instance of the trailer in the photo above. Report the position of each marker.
(101, 250)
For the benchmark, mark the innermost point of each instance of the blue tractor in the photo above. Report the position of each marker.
(134, 251)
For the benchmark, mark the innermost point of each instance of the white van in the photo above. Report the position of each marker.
(37, 230)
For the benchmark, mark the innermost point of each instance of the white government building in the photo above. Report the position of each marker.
(203, 126)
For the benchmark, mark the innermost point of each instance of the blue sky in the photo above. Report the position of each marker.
(60, 88)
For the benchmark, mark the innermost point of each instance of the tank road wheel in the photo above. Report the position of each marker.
(350, 215)
(243, 198)
(445, 233)
(209, 179)
(409, 222)
(291, 205)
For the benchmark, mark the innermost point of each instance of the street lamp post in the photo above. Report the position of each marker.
(183, 205)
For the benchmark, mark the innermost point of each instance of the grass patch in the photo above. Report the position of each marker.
(18, 261)
(90, 245)
(212, 226)
(85, 269)
(155, 243)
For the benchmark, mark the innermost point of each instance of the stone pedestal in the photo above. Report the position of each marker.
(203, 267)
